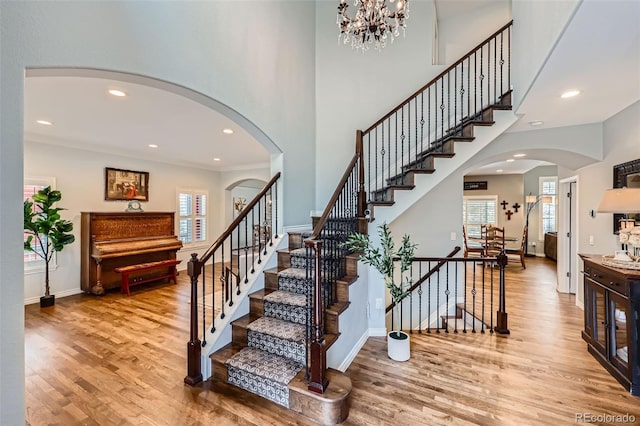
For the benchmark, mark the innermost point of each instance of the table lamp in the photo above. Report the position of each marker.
(620, 200)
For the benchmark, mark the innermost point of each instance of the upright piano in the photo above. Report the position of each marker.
(114, 239)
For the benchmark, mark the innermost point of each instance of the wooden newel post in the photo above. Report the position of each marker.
(194, 346)
(501, 316)
(317, 380)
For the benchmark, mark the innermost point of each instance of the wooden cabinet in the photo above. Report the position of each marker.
(612, 319)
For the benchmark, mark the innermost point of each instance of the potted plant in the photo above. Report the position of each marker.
(382, 260)
(46, 232)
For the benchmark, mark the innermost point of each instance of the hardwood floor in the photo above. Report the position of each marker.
(118, 360)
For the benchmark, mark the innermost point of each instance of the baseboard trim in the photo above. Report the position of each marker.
(354, 352)
(71, 292)
(377, 332)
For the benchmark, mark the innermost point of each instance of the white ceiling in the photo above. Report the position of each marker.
(85, 116)
(599, 54)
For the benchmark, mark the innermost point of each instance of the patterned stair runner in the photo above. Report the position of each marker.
(275, 351)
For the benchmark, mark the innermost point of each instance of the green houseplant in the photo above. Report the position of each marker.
(381, 258)
(47, 233)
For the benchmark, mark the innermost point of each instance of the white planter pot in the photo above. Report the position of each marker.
(398, 347)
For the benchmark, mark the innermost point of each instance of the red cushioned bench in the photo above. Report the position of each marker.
(126, 271)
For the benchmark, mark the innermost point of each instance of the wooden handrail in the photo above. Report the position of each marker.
(245, 212)
(425, 276)
(442, 74)
(327, 210)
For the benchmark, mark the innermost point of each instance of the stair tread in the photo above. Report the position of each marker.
(286, 298)
(294, 273)
(278, 328)
(264, 364)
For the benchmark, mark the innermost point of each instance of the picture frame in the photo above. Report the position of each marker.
(626, 175)
(125, 185)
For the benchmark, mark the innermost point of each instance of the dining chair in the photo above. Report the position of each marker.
(493, 241)
(471, 247)
(521, 250)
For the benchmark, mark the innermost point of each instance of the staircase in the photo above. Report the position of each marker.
(278, 350)
(268, 352)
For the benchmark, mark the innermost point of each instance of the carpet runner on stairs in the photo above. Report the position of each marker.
(276, 342)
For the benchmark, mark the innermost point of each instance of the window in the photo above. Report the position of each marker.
(32, 261)
(192, 209)
(479, 210)
(549, 206)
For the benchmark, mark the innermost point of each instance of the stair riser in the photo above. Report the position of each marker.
(300, 262)
(284, 260)
(295, 314)
(239, 335)
(265, 388)
(295, 240)
(275, 345)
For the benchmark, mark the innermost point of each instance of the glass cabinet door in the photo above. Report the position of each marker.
(598, 318)
(619, 349)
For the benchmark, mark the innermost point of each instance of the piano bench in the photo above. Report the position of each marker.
(126, 271)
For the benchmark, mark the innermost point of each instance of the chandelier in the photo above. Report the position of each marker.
(373, 23)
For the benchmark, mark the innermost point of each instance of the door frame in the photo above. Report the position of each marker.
(568, 218)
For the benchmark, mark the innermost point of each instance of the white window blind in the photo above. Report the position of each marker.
(192, 210)
(478, 211)
(548, 216)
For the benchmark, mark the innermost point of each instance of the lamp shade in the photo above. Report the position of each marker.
(531, 198)
(620, 200)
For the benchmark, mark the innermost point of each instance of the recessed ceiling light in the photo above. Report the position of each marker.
(570, 94)
(510, 160)
(153, 145)
(499, 170)
(519, 155)
(227, 131)
(536, 123)
(216, 159)
(44, 122)
(118, 93)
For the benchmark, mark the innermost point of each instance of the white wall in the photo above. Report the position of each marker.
(621, 145)
(253, 65)
(537, 27)
(80, 177)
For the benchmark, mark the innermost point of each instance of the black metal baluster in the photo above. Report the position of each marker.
(438, 301)
(429, 118)
(402, 137)
(475, 85)
(446, 293)
(395, 159)
(389, 149)
(369, 159)
(421, 126)
(441, 140)
(429, 300)
(204, 308)
(455, 99)
(420, 300)
(246, 249)
(481, 80)
(455, 297)
(495, 69)
(253, 249)
(410, 302)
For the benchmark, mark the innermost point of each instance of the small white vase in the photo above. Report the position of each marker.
(398, 347)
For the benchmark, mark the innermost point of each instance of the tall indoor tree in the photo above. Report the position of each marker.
(47, 233)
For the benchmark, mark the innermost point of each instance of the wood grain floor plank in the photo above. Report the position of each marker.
(117, 360)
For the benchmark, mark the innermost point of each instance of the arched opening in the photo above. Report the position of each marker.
(171, 132)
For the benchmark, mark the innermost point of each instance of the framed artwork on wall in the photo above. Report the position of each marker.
(125, 185)
(626, 175)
